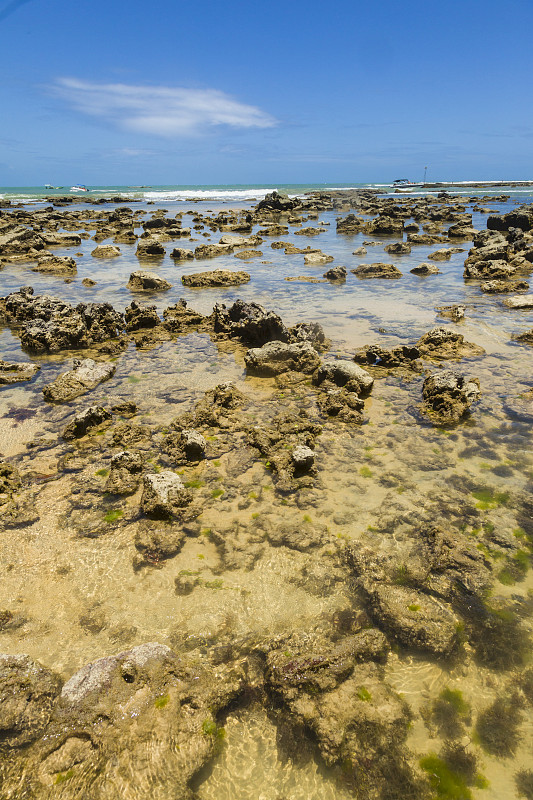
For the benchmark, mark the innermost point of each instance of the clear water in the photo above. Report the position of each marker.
(81, 597)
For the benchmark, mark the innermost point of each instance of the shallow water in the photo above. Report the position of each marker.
(71, 576)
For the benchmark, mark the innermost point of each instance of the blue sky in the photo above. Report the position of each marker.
(281, 92)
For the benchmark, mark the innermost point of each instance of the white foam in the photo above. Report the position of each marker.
(208, 194)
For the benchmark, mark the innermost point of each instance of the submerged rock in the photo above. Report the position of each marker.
(448, 396)
(28, 692)
(425, 269)
(105, 251)
(56, 265)
(85, 376)
(16, 372)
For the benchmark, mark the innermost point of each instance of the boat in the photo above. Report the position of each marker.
(80, 188)
(402, 182)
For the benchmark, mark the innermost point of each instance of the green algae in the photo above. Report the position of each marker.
(488, 498)
(196, 483)
(217, 493)
(413, 607)
(64, 776)
(447, 784)
(365, 472)
(102, 473)
(364, 694)
(161, 701)
(113, 514)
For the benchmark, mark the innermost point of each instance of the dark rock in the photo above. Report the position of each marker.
(250, 322)
(139, 317)
(125, 473)
(377, 271)
(142, 281)
(82, 423)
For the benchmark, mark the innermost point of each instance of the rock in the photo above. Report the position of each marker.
(273, 358)
(28, 693)
(249, 322)
(489, 270)
(311, 332)
(336, 274)
(85, 376)
(303, 458)
(105, 251)
(159, 710)
(185, 446)
(178, 317)
(526, 336)
(398, 248)
(456, 313)
(164, 495)
(443, 343)
(401, 355)
(154, 545)
(56, 265)
(345, 373)
(141, 281)
(11, 372)
(317, 259)
(385, 224)
(377, 271)
(125, 473)
(182, 254)
(525, 302)
(139, 317)
(88, 282)
(240, 241)
(425, 269)
(248, 254)
(513, 219)
(415, 620)
(359, 251)
(502, 287)
(82, 423)
(149, 248)
(212, 250)
(448, 396)
(217, 277)
(277, 202)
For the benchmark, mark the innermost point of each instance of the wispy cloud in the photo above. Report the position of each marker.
(160, 110)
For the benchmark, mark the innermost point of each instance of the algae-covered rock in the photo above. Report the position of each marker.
(216, 277)
(142, 281)
(377, 270)
(443, 343)
(56, 265)
(345, 373)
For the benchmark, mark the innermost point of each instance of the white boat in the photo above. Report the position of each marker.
(80, 188)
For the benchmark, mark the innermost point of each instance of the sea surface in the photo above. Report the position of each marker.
(81, 597)
(230, 193)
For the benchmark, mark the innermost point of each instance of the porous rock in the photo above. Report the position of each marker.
(276, 357)
(164, 495)
(448, 396)
(142, 281)
(85, 376)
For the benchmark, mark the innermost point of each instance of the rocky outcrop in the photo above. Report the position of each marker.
(398, 248)
(85, 376)
(212, 250)
(448, 396)
(249, 322)
(377, 270)
(399, 356)
(217, 277)
(185, 446)
(139, 317)
(47, 324)
(142, 281)
(182, 254)
(504, 287)
(345, 374)
(336, 274)
(273, 358)
(425, 269)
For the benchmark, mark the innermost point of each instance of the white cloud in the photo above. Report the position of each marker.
(160, 110)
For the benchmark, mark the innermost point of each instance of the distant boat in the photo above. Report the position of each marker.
(402, 182)
(79, 188)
